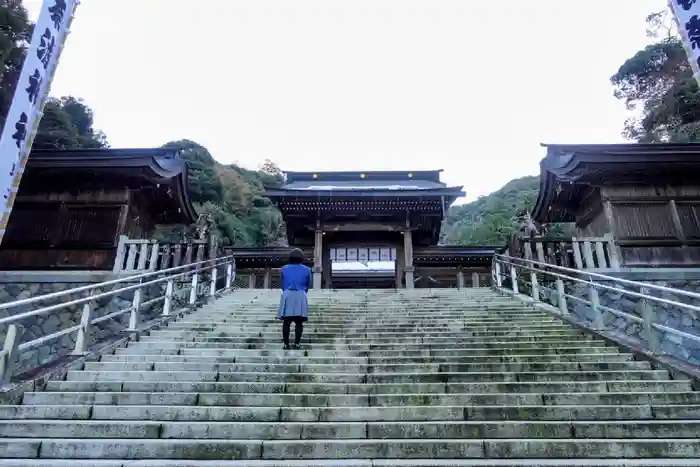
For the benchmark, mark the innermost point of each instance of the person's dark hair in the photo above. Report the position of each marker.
(296, 256)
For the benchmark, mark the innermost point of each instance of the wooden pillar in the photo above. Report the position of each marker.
(408, 255)
(460, 279)
(326, 264)
(614, 249)
(399, 266)
(678, 226)
(251, 281)
(318, 259)
(475, 279)
(267, 279)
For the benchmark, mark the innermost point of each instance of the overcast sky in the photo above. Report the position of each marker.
(470, 86)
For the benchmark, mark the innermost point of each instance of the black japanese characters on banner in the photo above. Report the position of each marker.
(692, 29)
(21, 127)
(58, 11)
(45, 49)
(685, 4)
(35, 81)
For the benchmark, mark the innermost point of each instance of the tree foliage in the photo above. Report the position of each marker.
(233, 196)
(491, 219)
(15, 34)
(657, 84)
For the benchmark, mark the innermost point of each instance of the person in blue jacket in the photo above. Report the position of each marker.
(294, 304)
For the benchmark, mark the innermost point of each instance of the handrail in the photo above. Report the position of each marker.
(604, 277)
(202, 277)
(84, 288)
(653, 331)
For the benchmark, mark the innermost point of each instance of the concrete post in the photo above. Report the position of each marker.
(251, 281)
(460, 279)
(267, 279)
(475, 279)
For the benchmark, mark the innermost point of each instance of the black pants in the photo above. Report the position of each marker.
(298, 329)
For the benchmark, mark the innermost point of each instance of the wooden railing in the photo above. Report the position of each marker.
(136, 255)
(583, 253)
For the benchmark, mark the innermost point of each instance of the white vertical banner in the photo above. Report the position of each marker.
(25, 112)
(687, 16)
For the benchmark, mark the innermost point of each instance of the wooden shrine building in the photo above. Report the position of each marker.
(74, 206)
(368, 217)
(631, 205)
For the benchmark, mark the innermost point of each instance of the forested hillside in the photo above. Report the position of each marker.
(232, 195)
(490, 219)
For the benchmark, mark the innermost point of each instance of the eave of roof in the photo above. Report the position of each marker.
(160, 166)
(565, 164)
(357, 174)
(280, 194)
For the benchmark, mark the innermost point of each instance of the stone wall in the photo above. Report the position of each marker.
(17, 285)
(674, 316)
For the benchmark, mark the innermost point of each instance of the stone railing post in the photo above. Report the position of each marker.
(534, 287)
(135, 315)
(561, 297)
(212, 284)
(83, 331)
(193, 288)
(168, 302)
(647, 313)
(10, 352)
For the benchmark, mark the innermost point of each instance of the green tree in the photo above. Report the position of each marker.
(490, 220)
(657, 83)
(15, 34)
(67, 123)
(233, 196)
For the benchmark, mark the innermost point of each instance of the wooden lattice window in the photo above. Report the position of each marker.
(689, 215)
(644, 220)
(45, 225)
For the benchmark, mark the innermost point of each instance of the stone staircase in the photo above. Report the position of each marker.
(384, 378)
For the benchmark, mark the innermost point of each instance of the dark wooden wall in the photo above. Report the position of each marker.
(653, 226)
(72, 231)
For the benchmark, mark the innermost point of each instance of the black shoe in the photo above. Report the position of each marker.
(296, 346)
(286, 346)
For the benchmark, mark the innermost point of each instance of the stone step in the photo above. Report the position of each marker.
(367, 389)
(381, 315)
(406, 315)
(274, 331)
(499, 354)
(220, 449)
(361, 463)
(381, 430)
(298, 411)
(318, 336)
(686, 401)
(298, 357)
(361, 368)
(444, 333)
(367, 378)
(311, 343)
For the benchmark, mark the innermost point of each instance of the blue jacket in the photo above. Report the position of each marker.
(295, 277)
